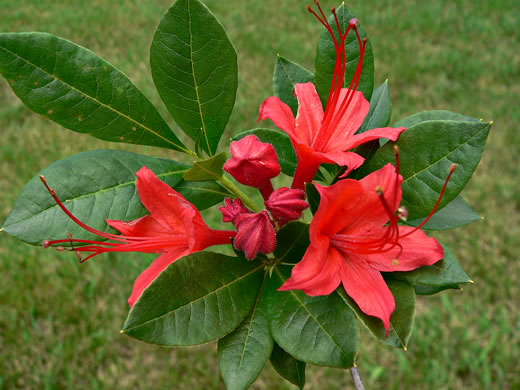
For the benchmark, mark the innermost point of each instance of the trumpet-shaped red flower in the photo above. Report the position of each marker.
(325, 137)
(253, 163)
(174, 228)
(351, 243)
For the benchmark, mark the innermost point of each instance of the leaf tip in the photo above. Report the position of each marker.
(122, 331)
(404, 348)
(471, 281)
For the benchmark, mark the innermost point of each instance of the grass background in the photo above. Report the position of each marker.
(59, 321)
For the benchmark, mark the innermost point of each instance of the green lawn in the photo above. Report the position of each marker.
(60, 321)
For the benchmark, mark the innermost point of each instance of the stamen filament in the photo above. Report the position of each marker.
(452, 169)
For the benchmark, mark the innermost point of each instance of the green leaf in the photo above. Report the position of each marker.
(286, 75)
(426, 152)
(93, 186)
(196, 299)
(444, 274)
(72, 86)
(242, 354)
(380, 109)
(292, 241)
(326, 58)
(194, 67)
(288, 367)
(209, 169)
(320, 330)
(202, 194)
(401, 321)
(282, 146)
(433, 115)
(455, 214)
(313, 197)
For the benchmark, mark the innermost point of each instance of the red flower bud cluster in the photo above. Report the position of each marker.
(254, 163)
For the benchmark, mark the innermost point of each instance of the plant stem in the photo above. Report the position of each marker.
(357, 379)
(234, 189)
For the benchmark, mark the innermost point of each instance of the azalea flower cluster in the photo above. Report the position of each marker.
(354, 234)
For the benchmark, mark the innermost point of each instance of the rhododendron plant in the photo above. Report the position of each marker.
(322, 225)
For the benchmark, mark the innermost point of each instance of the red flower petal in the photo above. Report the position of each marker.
(145, 226)
(318, 273)
(350, 122)
(341, 199)
(280, 113)
(167, 206)
(369, 135)
(417, 250)
(150, 273)
(368, 289)
(310, 113)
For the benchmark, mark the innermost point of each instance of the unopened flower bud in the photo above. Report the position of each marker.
(232, 210)
(253, 163)
(255, 234)
(286, 204)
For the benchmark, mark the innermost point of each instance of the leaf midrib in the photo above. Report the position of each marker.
(146, 128)
(196, 300)
(445, 156)
(112, 188)
(203, 129)
(346, 354)
(251, 322)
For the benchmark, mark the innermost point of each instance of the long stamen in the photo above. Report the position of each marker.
(77, 221)
(452, 169)
(333, 113)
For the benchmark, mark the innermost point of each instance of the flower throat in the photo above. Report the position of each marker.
(390, 238)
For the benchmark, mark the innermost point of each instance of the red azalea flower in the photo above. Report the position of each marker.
(253, 163)
(324, 137)
(174, 228)
(351, 243)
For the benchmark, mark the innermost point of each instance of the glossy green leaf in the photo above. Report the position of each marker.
(196, 299)
(209, 169)
(433, 115)
(455, 214)
(194, 67)
(75, 88)
(320, 330)
(202, 194)
(313, 197)
(93, 186)
(444, 274)
(286, 75)
(426, 152)
(380, 109)
(288, 367)
(401, 321)
(326, 58)
(291, 242)
(242, 354)
(282, 146)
